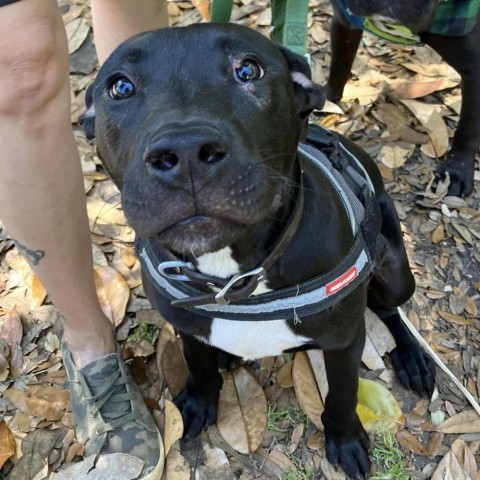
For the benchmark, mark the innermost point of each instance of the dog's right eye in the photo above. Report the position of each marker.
(121, 88)
(248, 71)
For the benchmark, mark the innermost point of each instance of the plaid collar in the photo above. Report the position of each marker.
(455, 18)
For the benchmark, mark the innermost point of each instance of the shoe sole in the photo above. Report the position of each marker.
(156, 474)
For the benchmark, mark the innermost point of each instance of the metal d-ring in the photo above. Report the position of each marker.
(220, 296)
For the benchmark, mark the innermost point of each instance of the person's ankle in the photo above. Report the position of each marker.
(87, 347)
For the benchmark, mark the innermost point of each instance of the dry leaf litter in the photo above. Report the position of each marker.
(401, 105)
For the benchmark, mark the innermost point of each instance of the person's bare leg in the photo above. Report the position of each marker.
(116, 20)
(41, 190)
(42, 201)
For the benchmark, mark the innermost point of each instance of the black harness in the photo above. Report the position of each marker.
(232, 298)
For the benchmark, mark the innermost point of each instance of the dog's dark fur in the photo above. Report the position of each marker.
(238, 193)
(462, 53)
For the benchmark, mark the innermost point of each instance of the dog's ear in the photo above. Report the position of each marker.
(87, 120)
(308, 95)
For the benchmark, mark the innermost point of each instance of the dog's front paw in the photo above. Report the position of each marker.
(414, 368)
(350, 452)
(198, 411)
(460, 166)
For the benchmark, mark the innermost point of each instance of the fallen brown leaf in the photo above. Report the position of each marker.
(317, 362)
(434, 444)
(77, 31)
(398, 123)
(306, 389)
(4, 367)
(12, 332)
(242, 411)
(281, 460)
(410, 443)
(297, 434)
(438, 234)
(433, 123)
(113, 293)
(284, 377)
(394, 156)
(434, 70)
(174, 368)
(463, 422)
(45, 403)
(465, 458)
(128, 256)
(457, 319)
(419, 86)
(176, 467)
(37, 291)
(365, 94)
(458, 464)
(173, 425)
(7, 443)
(203, 6)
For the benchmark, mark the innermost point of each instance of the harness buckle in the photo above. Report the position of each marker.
(176, 265)
(259, 273)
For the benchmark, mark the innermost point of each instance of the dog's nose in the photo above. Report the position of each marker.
(177, 148)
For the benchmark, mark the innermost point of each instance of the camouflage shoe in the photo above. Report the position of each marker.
(110, 415)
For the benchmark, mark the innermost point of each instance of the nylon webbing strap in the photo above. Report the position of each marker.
(310, 298)
(289, 20)
(295, 29)
(221, 10)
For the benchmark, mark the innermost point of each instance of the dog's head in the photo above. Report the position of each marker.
(199, 126)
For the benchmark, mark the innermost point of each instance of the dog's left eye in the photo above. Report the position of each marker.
(248, 71)
(121, 88)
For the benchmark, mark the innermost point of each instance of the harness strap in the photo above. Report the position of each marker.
(296, 301)
(221, 10)
(289, 20)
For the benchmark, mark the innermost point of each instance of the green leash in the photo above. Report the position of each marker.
(221, 10)
(289, 18)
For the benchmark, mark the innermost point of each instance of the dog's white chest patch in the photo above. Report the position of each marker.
(254, 339)
(247, 339)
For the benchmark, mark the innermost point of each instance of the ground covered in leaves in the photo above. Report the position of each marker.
(401, 105)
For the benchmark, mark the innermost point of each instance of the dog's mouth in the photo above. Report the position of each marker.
(199, 234)
(195, 220)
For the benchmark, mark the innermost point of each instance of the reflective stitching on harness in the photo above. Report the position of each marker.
(306, 151)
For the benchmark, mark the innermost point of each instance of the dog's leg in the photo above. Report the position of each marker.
(463, 54)
(198, 401)
(344, 44)
(392, 285)
(347, 442)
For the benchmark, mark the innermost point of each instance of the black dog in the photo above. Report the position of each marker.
(458, 44)
(199, 128)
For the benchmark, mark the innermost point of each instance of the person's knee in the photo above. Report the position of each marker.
(33, 66)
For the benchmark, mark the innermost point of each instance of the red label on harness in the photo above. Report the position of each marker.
(348, 277)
